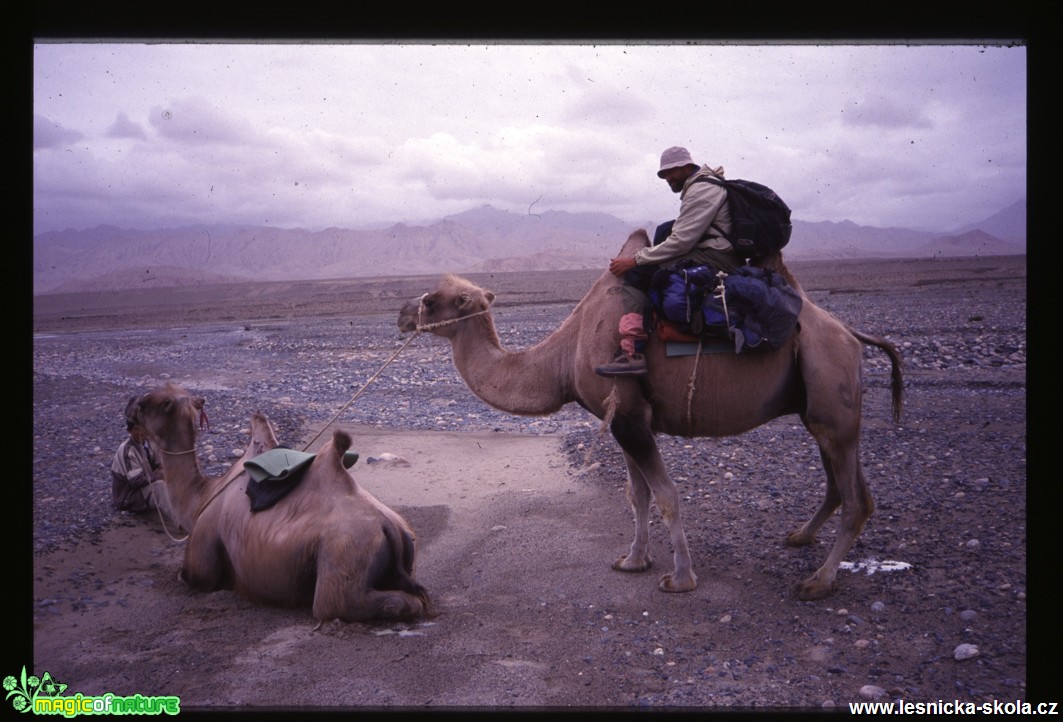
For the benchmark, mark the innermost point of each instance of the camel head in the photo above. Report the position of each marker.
(453, 300)
(168, 414)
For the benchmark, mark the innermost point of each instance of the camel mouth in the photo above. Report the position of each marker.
(408, 316)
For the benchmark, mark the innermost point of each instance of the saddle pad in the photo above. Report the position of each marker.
(684, 348)
(276, 472)
(278, 463)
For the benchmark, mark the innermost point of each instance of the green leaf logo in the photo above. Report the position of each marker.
(25, 689)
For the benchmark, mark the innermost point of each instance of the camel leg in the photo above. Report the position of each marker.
(833, 390)
(342, 589)
(806, 534)
(638, 494)
(206, 565)
(843, 464)
(371, 605)
(637, 441)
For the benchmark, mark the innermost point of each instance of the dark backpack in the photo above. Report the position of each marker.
(760, 220)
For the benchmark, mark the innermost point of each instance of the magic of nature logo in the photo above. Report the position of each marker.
(44, 695)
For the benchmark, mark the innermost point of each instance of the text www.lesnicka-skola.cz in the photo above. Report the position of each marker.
(953, 707)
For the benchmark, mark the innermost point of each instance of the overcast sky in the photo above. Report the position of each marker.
(137, 135)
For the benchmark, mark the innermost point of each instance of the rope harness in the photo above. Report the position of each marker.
(694, 373)
(418, 329)
(204, 422)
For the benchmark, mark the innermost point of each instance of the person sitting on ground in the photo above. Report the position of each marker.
(137, 483)
(698, 233)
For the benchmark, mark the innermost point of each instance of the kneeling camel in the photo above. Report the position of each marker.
(328, 544)
(816, 375)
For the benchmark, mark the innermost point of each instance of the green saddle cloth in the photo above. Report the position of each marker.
(276, 472)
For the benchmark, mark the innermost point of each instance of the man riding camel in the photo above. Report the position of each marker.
(698, 233)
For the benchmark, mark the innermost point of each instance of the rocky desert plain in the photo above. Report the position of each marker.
(520, 518)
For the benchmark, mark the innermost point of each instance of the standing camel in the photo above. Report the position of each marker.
(817, 375)
(327, 544)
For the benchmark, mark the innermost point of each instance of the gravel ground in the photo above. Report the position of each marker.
(305, 368)
(949, 481)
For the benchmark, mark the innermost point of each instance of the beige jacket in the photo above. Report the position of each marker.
(700, 204)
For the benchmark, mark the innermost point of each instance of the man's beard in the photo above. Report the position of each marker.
(676, 186)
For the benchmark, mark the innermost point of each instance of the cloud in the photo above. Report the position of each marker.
(608, 108)
(884, 113)
(553, 168)
(197, 121)
(322, 135)
(123, 127)
(49, 134)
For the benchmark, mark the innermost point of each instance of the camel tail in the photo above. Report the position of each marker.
(896, 374)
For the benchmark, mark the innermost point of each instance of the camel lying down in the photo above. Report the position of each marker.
(328, 544)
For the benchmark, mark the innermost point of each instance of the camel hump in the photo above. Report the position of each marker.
(635, 243)
(341, 440)
(262, 436)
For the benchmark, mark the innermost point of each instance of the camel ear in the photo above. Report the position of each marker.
(466, 300)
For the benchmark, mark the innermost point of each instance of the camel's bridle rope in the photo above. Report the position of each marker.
(418, 329)
(162, 517)
(162, 520)
(203, 421)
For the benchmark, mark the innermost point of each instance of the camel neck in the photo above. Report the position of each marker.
(524, 382)
(185, 483)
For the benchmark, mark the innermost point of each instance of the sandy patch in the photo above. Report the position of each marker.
(112, 617)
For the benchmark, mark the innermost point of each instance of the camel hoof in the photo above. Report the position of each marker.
(799, 539)
(402, 607)
(626, 564)
(670, 584)
(812, 589)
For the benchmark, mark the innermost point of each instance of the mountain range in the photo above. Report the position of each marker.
(483, 239)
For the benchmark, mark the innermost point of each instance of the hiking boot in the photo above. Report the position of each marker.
(623, 365)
